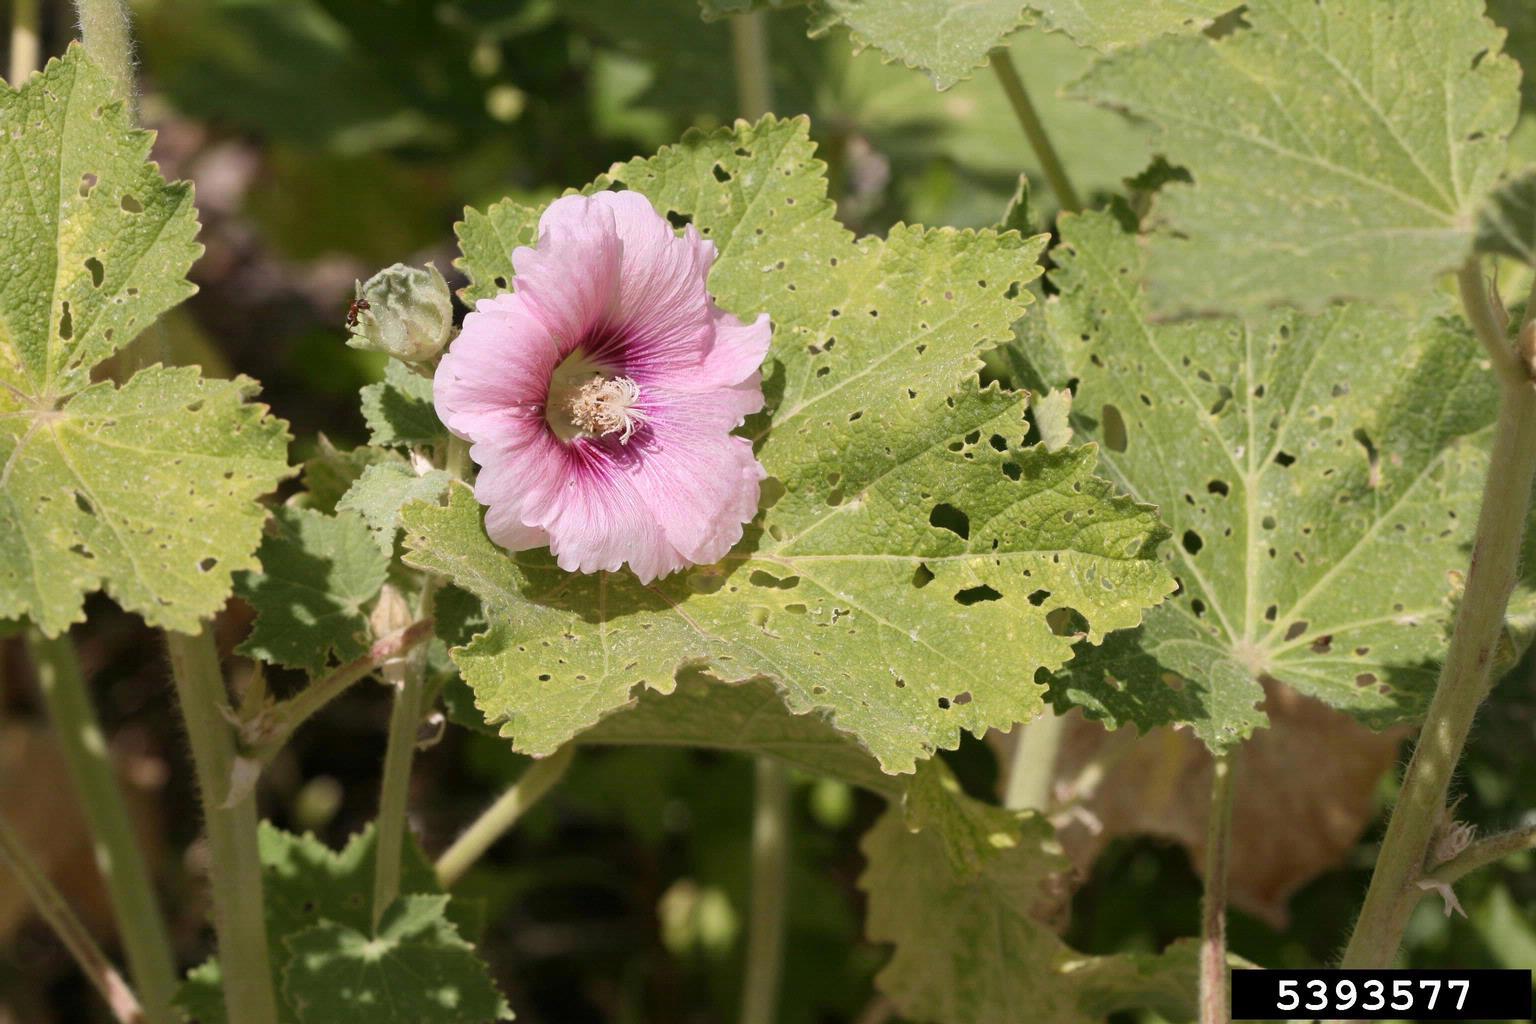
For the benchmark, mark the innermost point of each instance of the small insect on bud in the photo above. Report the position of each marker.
(405, 312)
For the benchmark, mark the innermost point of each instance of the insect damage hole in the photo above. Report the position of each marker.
(946, 517)
(1113, 425)
(976, 595)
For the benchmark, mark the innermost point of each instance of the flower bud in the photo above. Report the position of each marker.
(402, 311)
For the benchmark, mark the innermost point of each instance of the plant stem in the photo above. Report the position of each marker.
(497, 819)
(770, 884)
(140, 924)
(1215, 1007)
(1032, 768)
(1034, 131)
(104, 31)
(234, 861)
(1464, 678)
(1484, 852)
(53, 909)
(270, 730)
(25, 40)
(400, 752)
(754, 77)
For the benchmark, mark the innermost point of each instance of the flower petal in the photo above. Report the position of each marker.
(497, 370)
(572, 277)
(701, 484)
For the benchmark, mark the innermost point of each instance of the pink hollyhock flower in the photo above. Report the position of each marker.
(600, 395)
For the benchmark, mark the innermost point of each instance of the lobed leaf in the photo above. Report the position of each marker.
(905, 523)
(1339, 148)
(307, 885)
(955, 885)
(383, 490)
(399, 410)
(946, 40)
(1321, 476)
(147, 489)
(415, 969)
(318, 572)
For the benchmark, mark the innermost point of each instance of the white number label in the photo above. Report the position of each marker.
(1288, 991)
(1434, 991)
(1379, 995)
(1319, 989)
(1402, 989)
(1465, 986)
(1344, 994)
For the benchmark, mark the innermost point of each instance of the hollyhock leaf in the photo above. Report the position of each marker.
(398, 409)
(306, 884)
(330, 472)
(415, 969)
(487, 240)
(931, 35)
(385, 488)
(317, 574)
(146, 489)
(1339, 149)
(954, 885)
(1321, 477)
(747, 717)
(1106, 25)
(1507, 224)
(901, 493)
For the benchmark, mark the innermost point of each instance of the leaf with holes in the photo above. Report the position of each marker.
(1339, 148)
(916, 563)
(947, 40)
(1106, 25)
(415, 969)
(1321, 476)
(305, 884)
(957, 886)
(398, 409)
(317, 574)
(147, 489)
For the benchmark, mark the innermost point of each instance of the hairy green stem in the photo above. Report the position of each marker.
(269, 731)
(1464, 678)
(770, 885)
(52, 908)
(104, 29)
(26, 43)
(229, 813)
(1034, 131)
(1215, 1007)
(1032, 768)
(497, 819)
(754, 76)
(1485, 852)
(140, 924)
(399, 754)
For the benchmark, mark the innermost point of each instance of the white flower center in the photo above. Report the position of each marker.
(607, 405)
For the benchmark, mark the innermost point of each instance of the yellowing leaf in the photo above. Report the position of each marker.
(914, 563)
(1339, 148)
(148, 489)
(1321, 476)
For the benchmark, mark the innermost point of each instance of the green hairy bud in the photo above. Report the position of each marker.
(405, 312)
